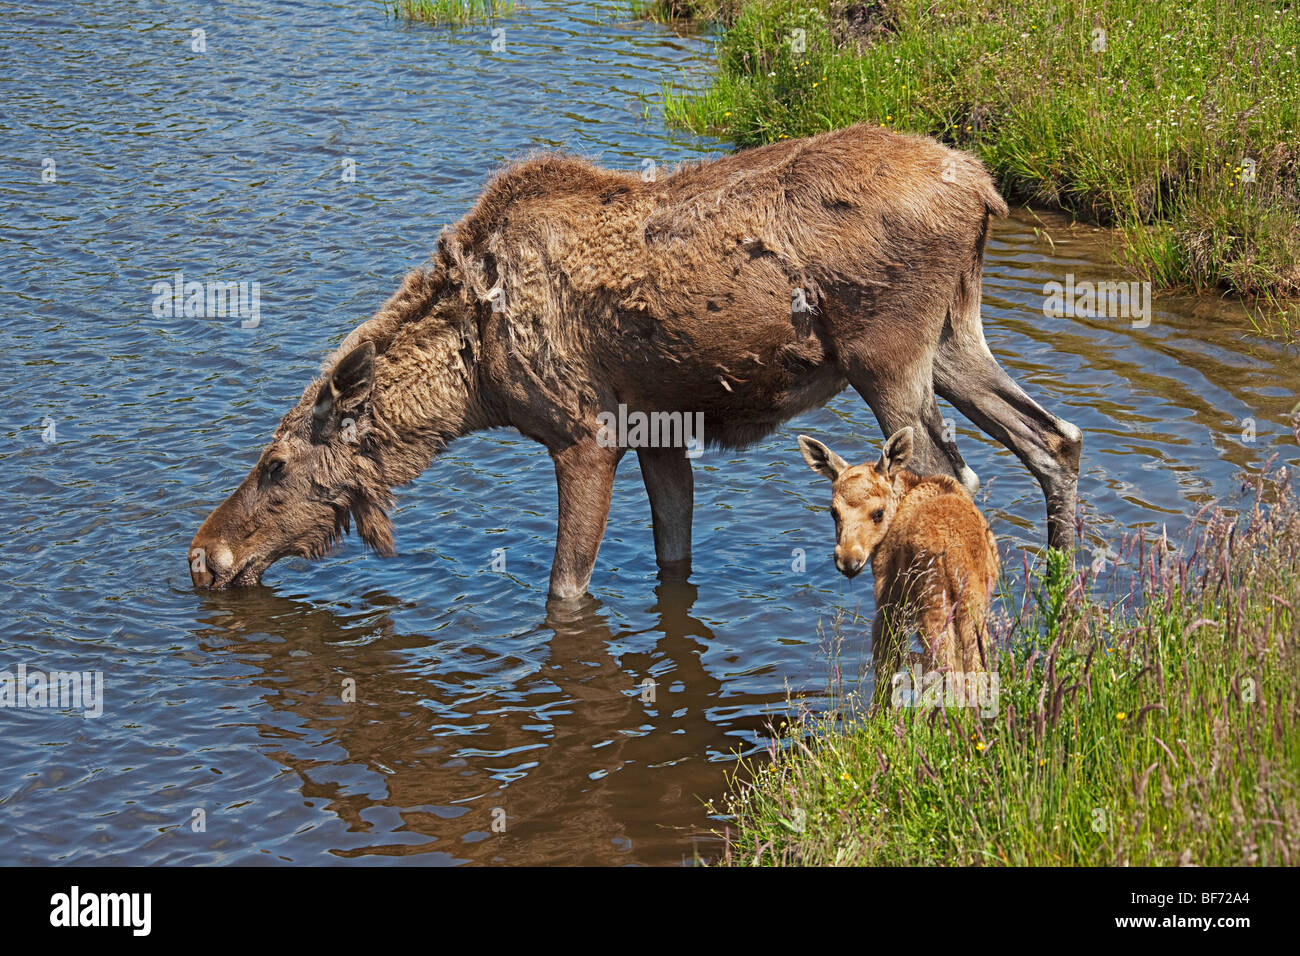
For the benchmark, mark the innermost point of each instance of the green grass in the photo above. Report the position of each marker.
(1156, 731)
(455, 12)
(1148, 135)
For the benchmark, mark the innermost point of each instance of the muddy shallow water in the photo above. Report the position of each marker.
(473, 705)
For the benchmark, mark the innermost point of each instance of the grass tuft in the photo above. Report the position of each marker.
(454, 12)
(700, 11)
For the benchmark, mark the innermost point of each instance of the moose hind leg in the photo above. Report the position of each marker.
(584, 476)
(670, 485)
(970, 378)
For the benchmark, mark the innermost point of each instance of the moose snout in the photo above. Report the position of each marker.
(210, 561)
(850, 565)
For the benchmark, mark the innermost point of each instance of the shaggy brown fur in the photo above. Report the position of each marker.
(569, 290)
(932, 554)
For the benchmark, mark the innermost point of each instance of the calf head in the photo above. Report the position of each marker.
(863, 497)
(319, 469)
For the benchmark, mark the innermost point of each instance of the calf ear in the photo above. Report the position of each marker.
(347, 389)
(897, 452)
(820, 458)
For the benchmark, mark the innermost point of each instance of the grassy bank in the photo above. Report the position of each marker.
(1157, 731)
(456, 12)
(1177, 123)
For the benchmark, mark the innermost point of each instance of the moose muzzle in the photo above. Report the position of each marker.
(210, 561)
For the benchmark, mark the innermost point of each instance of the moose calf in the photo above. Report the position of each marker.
(933, 556)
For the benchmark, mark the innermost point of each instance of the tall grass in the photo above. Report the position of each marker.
(1123, 112)
(1157, 728)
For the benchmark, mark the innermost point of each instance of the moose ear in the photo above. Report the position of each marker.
(897, 452)
(349, 384)
(820, 458)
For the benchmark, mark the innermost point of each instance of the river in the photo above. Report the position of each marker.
(317, 149)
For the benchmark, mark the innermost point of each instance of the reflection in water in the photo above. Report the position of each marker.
(569, 751)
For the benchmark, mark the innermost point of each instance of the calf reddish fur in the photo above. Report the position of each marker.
(569, 289)
(933, 557)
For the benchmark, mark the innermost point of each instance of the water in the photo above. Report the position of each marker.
(472, 705)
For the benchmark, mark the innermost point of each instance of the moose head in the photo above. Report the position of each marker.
(320, 471)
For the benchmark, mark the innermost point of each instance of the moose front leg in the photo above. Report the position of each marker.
(670, 484)
(584, 475)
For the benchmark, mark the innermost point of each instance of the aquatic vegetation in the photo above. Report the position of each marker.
(452, 11)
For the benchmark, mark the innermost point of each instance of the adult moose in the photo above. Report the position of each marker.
(570, 290)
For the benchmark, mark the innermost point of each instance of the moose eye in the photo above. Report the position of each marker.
(273, 470)
(878, 515)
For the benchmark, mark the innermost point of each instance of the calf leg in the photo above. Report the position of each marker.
(968, 376)
(939, 634)
(584, 475)
(972, 629)
(670, 484)
(888, 653)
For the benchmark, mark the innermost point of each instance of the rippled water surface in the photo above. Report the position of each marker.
(228, 165)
